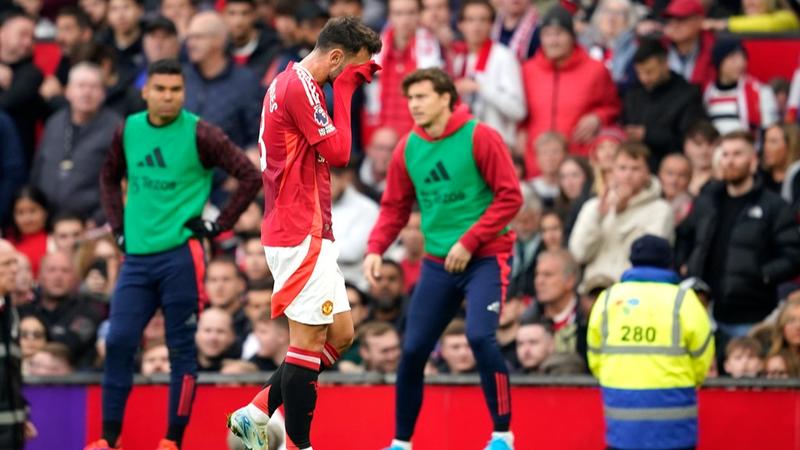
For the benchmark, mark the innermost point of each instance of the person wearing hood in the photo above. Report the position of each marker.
(650, 346)
(461, 175)
(566, 90)
(631, 207)
(659, 110)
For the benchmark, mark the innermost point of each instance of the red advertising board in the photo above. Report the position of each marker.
(454, 417)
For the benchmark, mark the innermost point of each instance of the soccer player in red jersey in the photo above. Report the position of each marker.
(299, 141)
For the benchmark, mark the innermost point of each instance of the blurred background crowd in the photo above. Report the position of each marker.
(612, 111)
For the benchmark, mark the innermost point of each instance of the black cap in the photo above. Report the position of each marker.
(724, 47)
(160, 23)
(653, 251)
(560, 17)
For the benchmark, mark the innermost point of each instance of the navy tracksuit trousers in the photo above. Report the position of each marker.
(436, 300)
(169, 280)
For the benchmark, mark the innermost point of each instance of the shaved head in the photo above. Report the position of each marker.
(217, 316)
(206, 38)
(57, 276)
(208, 22)
(57, 257)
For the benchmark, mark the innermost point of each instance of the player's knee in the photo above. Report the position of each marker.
(415, 353)
(181, 343)
(308, 337)
(479, 341)
(342, 340)
(183, 357)
(121, 343)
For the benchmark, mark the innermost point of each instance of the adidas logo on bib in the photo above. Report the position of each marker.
(154, 159)
(438, 173)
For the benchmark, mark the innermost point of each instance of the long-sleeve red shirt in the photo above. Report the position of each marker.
(493, 161)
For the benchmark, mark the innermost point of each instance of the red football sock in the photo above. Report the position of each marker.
(260, 400)
(329, 355)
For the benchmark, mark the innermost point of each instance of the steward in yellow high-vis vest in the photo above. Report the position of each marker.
(650, 345)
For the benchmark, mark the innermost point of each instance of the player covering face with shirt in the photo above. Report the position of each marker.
(299, 142)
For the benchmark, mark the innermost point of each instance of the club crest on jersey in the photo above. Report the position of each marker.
(327, 308)
(320, 116)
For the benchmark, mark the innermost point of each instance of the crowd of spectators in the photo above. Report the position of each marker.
(622, 118)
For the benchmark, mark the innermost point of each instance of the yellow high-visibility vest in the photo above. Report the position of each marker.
(649, 335)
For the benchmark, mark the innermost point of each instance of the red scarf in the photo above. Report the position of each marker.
(752, 99)
(461, 59)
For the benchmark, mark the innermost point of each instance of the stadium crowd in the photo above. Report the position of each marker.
(623, 118)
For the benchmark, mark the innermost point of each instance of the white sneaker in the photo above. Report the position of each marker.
(243, 425)
(501, 441)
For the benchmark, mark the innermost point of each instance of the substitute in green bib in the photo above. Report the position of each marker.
(650, 346)
(167, 156)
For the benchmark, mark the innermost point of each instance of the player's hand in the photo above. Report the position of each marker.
(203, 228)
(30, 431)
(367, 70)
(356, 75)
(372, 267)
(457, 259)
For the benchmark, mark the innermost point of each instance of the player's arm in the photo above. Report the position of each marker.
(111, 175)
(494, 163)
(396, 203)
(215, 149)
(331, 140)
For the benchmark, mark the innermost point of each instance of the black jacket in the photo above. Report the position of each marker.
(268, 48)
(666, 113)
(764, 251)
(13, 171)
(13, 407)
(73, 323)
(22, 102)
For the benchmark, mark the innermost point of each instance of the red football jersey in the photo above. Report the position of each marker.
(297, 190)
